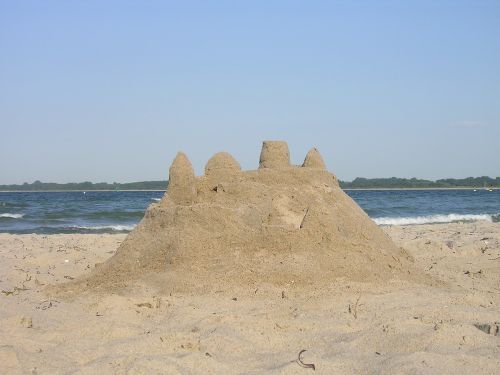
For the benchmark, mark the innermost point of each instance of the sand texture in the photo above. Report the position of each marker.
(247, 229)
(346, 327)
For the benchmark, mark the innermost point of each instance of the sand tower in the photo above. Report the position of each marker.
(182, 182)
(274, 155)
(314, 160)
(275, 225)
(221, 165)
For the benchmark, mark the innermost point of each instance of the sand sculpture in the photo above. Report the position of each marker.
(278, 224)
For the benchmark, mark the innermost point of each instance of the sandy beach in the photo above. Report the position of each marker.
(347, 327)
(212, 188)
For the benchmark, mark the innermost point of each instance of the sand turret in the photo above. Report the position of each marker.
(181, 181)
(274, 155)
(221, 164)
(314, 160)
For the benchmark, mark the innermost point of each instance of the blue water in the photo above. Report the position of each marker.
(403, 207)
(73, 212)
(102, 212)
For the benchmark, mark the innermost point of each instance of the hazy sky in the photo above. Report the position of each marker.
(111, 90)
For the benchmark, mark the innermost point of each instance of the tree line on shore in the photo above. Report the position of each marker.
(86, 186)
(357, 183)
(412, 183)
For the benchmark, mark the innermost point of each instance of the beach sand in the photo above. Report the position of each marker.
(347, 327)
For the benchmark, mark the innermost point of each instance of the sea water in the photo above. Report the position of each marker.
(114, 212)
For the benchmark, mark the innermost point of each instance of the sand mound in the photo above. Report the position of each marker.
(220, 165)
(278, 224)
(314, 160)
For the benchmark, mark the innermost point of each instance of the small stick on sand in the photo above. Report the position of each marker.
(354, 310)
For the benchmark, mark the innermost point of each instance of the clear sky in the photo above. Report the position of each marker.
(111, 90)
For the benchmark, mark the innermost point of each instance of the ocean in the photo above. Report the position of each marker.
(120, 211)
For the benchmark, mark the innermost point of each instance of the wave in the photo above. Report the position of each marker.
(117, 228)
(12, 216)
(432, 219)
(156, 199)
(114, 215)
(71, 229)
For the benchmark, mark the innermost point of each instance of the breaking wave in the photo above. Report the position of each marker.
(12, 216)
(432, 219)
(116, 228)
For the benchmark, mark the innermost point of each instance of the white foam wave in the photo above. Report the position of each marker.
(12, 216)
(118, 228)
(432, 219)
(156, 199)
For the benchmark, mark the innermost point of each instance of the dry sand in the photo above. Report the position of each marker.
(347, 327)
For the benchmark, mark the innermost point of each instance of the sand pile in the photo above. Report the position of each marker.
(275, 225)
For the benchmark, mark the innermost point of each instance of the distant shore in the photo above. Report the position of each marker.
(429, 188)
(158, 190)
(77, 191)
(359, 183)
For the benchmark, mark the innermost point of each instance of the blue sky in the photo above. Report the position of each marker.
(111, 90)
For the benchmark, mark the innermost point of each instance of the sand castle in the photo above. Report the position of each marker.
(278, 224)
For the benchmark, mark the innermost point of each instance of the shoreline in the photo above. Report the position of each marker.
(128, 231)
